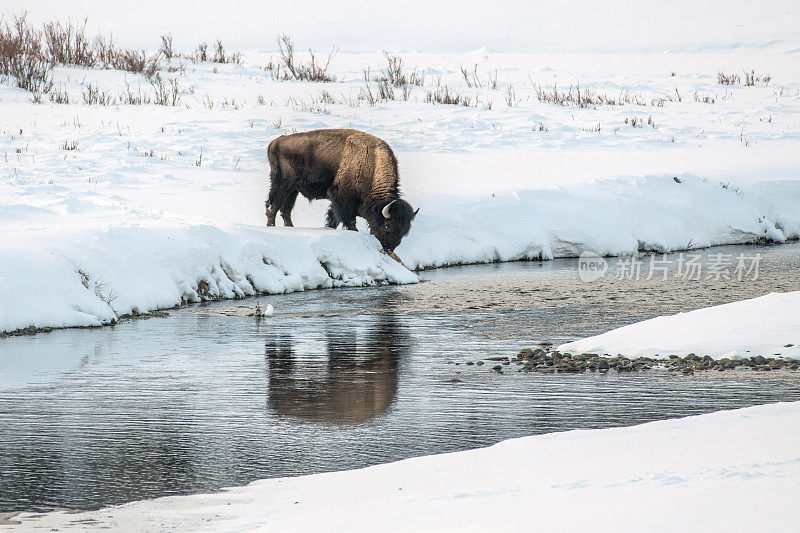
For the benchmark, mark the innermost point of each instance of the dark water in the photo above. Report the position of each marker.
(338, 379)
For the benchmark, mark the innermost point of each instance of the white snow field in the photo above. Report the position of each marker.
(109, 210)
(767, 326)
(727, 471)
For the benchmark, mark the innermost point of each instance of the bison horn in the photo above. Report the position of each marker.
(385, 210)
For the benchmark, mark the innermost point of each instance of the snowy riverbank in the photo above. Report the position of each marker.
(766, 326)
(670, 475)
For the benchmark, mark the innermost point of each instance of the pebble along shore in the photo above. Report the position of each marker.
(547, 361)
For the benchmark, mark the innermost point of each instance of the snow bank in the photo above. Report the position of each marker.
(671, 475)
(609, 217)
(76, 275)
(760, 326)
(93, 278)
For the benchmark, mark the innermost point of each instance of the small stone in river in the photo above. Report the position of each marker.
(543, 343)
(479, 363)
(470, 363)
(788, 345)
(497, 368)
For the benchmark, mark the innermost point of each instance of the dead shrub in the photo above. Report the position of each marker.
(221, 57)
(137, 62)
(750, 79)
(93, 95)
(728, 79)
(311, 71)
(471, 78)
(166, 46)
(586, 98)
(23, 58)
(67, 44)
(131, 98)
(385, 90)
(167, 93)
(59, 96)
(442, 95)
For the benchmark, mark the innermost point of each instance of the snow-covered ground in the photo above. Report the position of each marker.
(726, 471)
(134, 218)
(766, 326)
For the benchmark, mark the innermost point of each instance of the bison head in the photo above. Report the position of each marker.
(393, 223)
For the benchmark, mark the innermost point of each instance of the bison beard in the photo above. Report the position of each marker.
(356, 171)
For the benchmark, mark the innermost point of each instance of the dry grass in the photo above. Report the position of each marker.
(573, 96)
(638, 122)
(68, 44)
(22, 56)
(221, 57)
(167, 93)
(442, 95)
(289, 69)
(131, 98)
(28, 54)
(59, 96)
(471, 77)
(751, 79)
(166, 46)
(511, 97)
(397, 75)
(704, 98)
(96, 96)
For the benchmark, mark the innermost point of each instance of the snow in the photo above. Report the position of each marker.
(134, 219)
(735, 470)
(759, 326)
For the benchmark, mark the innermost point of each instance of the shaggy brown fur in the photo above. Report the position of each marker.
(356, 171)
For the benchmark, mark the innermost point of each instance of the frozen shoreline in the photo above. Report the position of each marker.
(764, 326)
(57, 278)
(622, 485)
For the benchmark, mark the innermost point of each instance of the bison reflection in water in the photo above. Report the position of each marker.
(357, 382)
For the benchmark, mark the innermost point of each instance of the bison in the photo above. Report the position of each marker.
(356, 171)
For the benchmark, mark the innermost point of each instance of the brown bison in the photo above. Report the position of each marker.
(356, 171)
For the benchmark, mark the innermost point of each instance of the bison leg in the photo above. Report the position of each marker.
(271, 212)
(344, 211)
(349, 224)
(331, 220)
(281, 200)
(273, 201)
(286, 208)
(337, 215)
